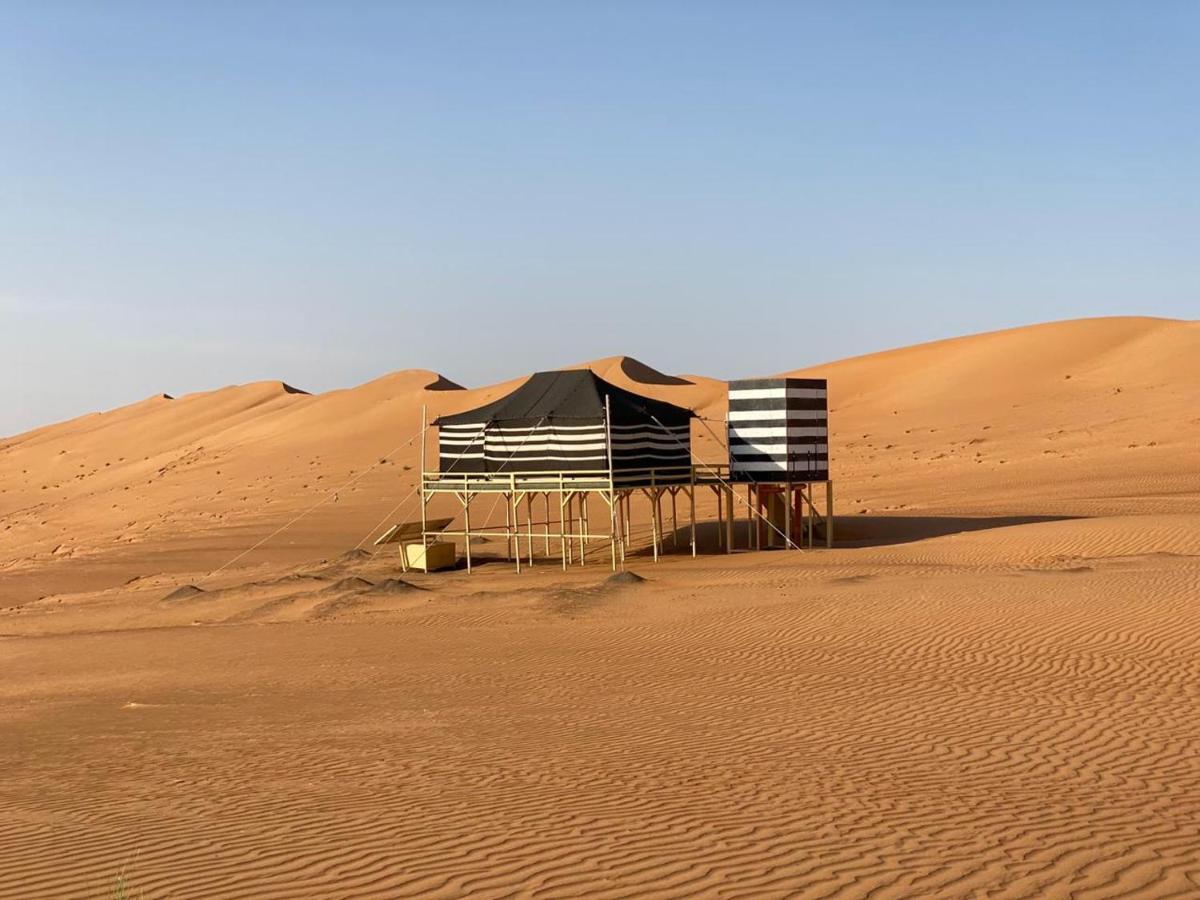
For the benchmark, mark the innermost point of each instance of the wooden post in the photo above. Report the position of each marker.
(729, 520)
(828, 513)
(422, 482)
(692, 510)
(516, 517)
(612, 496)
(583, 526)
(508, 533)
(674, 520)
(787, 515)
(812, 518)
(529, 525)
(562, 520)
(749, 519)
(546, 527)
(467, 525)
(653, 498)
(720, 516)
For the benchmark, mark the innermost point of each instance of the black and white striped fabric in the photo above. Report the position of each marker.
(779, 430)
(555, 422)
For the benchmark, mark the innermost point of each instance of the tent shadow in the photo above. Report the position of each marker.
(882, 531)
(850, 531)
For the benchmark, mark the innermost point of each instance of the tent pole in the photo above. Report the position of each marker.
(692, 505)
(516, 519)
(612, 497)
(583, 525)
(812, 517)
(729, 519)
(787, 514)
(508, 548)
(562, 520)
(749, 520)
(674, 520)
(421, 475)
(467, 526)
(720, 516)
(653, 497)
(828, 513)
(529, 525)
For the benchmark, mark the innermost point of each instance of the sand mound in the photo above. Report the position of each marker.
(623, 579)
(182, 593)
(394, 586)
(347, 584)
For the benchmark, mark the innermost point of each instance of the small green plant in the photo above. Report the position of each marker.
(122, 889)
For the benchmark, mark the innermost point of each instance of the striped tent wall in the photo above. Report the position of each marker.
(555, 446)
(556, 422)
(779, 430)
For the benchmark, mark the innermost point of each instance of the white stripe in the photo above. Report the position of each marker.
(781, 433)
(740, 415)
(544, 445)
(515, 440)
(776, 467)
(513, 429)
(777, 393)
(502, 458)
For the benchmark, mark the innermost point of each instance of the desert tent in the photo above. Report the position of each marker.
(558, 422)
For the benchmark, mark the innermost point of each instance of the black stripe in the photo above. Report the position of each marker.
(761, 384)
(741, 477)
(796, 458)
(788, 403)
(739, 424)
(783, 442)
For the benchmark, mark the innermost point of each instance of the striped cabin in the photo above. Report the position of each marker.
(555, 422)
(779, 430)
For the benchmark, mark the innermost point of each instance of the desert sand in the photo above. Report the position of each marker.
(989, 688)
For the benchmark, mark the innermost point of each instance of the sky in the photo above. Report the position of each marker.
(199, 194)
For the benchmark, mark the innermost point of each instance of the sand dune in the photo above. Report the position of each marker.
(987, 689)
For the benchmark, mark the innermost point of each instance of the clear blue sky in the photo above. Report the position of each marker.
(196, 194)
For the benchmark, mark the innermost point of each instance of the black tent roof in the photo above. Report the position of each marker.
(570, 394)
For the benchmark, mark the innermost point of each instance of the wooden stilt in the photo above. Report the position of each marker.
(562, 522)
(749, 520)
(692, 512)
(729, 520)
(529, 526)
(583, 525)
(787, 514)
(467, 527)
(516, 517)
(720, 517)
(508, 529)
(812, 517)
(829, 514)
(674, 520)
(424, 419)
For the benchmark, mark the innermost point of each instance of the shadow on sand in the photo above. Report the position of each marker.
(850, 531)
(880, 531)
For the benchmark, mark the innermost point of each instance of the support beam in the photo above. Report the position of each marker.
(787, 515)
(729, 520)
(828, 513)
